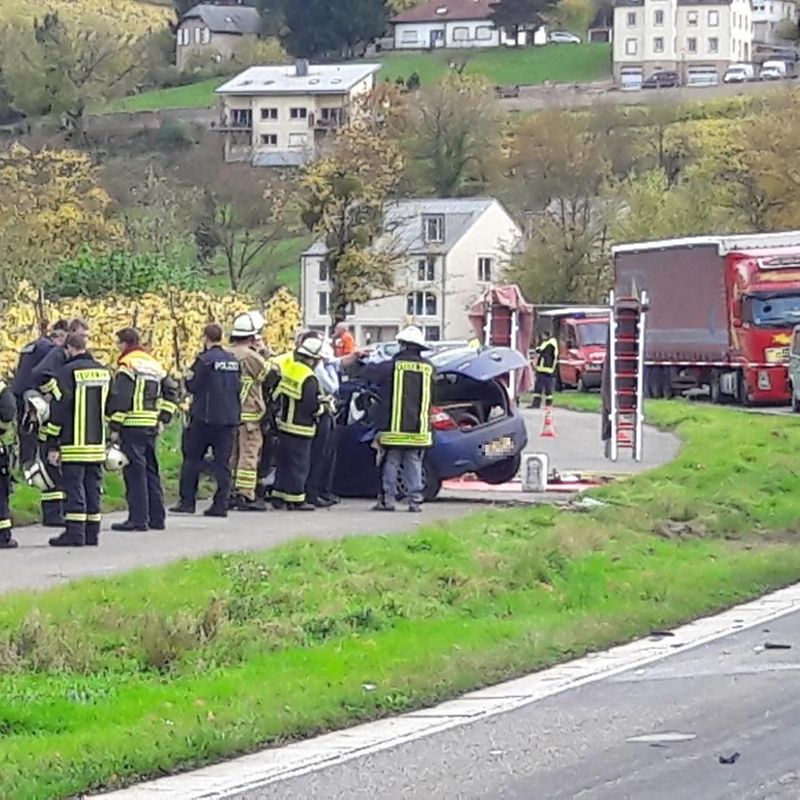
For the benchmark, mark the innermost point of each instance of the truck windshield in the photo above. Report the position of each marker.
(593, 333)
(772, 311)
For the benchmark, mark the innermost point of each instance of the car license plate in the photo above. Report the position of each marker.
(504, 446)
(777, 355)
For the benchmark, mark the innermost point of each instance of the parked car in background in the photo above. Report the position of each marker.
(563, 37)
(739, 73)
(773, 71)
(476, 425)
(664, 79)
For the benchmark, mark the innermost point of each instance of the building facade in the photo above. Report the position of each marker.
(448, 250)
(769, 16)
(214, 32)
(277, 116)
(696, 39)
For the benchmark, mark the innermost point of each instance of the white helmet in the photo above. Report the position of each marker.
(411, 335)
(36, 475)
(326, 353)
(37, 408)
(311, 347)
(248, 324)
(116, 460)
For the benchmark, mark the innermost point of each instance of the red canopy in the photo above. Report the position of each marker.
(510, 324)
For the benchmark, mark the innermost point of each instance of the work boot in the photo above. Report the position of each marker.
(128, 526)
(53, 522)
(243, 504)
(382, 505)
(157, 526)
(332, 499)
(68, 539)
(278, 504)
(414, 508)
(8, 543)
(92, 535)
(301, 507)
(182, 509)
(215, 512)
(321, 502)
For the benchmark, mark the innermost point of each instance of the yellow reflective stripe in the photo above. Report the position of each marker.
(425, 405)
(94, 517)
(138, 396)
(289, 498)
(391, 438)
(251, 416)
(166, 405)
(3, 385)
(245, 479)
(118, 416)
(397, 398)
(50, 429)
(265, 371)
(247, 384)
(74, 516)
(50, 496)
(83, 453)
(5, 524)
(306, 432)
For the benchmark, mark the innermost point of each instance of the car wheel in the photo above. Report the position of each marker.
(795, 401)
(502, 471)
(431, 483)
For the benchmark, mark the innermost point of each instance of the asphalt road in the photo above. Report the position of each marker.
(36, 565)
(653, 733)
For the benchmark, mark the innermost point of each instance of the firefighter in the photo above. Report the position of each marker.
(142, 401)
(214, 380)
(31, 413)
(77, 439)
(43, 378)
(403, 423)
(546, 365)
(8, 411)
(297, 400)
(319, 489)
(249, 438)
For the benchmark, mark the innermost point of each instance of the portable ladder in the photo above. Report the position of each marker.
(626, 364)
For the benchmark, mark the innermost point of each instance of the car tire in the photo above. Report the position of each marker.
(795, 401)
(502, 471)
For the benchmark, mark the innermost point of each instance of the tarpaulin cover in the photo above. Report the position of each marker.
(503, 302)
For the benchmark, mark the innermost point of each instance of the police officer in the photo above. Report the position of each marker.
(29, 421)
(403, 419)
(77, 438)
(297, 399)
(215, 383)
(45, 372)
(8, 410)
(249, 438)
(546, 363)
(143, 399)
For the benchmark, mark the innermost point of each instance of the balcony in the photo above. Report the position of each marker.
(335, 118)
(236, 121)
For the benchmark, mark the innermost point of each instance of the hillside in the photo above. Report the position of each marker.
(132, 15)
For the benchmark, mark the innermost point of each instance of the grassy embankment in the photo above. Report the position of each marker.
(104, 681)
(562, 63)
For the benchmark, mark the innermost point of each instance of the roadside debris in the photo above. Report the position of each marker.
(731, 759)
(665, 737)
(680, 530)
(777, 646)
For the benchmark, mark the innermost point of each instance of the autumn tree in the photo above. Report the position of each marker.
(560, 173)
(514, 15)
(63, 69)
(344, 195)
(50, 207)
(454, 142)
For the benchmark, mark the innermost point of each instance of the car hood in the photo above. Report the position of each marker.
(480, 365)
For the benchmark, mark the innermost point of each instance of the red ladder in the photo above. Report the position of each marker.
(626, 364)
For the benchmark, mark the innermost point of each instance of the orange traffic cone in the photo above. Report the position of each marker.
(548, 429)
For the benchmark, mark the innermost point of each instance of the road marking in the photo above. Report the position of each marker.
(249, 773)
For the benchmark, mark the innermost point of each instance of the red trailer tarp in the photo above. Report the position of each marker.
(510, 318)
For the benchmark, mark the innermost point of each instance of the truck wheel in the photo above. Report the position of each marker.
(667, 392)
(741, 395)
(716, 389)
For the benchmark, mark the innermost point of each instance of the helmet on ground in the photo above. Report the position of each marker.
(248, 324)
(311, 347)
(411, 335)
(36, 475)
(116, 460)
(37, 407)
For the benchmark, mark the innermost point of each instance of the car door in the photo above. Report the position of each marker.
(570, 354)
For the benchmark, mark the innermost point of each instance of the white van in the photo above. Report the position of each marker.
(772, 71)
(739, 73)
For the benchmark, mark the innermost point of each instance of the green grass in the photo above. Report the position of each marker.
(532, 65)
(104, 681)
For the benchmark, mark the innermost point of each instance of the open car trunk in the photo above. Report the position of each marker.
(469, 402)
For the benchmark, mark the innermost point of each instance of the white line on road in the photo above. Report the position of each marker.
(255, 771)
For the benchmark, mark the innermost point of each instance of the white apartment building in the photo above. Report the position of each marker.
(694, 38)
(768, 15)
(451, 251)
(276, 116)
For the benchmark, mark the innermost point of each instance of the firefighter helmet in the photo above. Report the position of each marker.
(36, 475)
(116, 460)
(411, 335)
(311, 347)
(248, 324)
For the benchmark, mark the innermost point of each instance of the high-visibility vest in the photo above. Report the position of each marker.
(543, 363)
(292, 417)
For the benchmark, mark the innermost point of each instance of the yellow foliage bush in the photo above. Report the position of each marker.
(171, 323)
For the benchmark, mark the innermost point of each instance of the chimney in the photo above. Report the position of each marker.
(301, 67)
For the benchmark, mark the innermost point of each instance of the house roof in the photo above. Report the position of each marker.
(446, 10)
(226, 19)
(284, 79)
(403, 223)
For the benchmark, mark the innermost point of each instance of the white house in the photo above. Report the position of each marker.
(276, 116)
(695, 38)
(451, 251)
(768, 15)
(446, 23)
